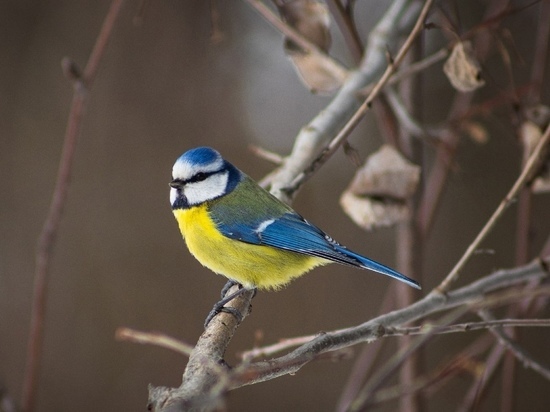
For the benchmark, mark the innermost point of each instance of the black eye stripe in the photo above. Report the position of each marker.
(198, 177)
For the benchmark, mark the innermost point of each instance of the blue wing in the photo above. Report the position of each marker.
(292, 232)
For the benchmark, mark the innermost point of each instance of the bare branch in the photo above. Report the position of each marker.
(519, 352)
(48, 236)
(153, 338)
(375, 328)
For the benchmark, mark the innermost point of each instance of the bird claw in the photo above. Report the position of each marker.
(229, 285)
(220, 306)
(219, 309)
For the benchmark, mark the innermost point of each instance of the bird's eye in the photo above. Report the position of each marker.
(199, 177)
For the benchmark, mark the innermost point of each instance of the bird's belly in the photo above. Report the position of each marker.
(250, 265)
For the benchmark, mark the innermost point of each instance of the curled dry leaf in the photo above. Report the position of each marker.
(463, 69)
(311, 19)
(531, 132)
(378, 194)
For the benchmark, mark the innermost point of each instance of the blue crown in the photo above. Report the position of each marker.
(200, 156)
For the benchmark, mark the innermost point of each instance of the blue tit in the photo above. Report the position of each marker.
(237, 229)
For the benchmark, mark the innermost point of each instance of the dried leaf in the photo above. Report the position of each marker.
(317, 74)
(378, 194)
(368, 213)
(311, 19)
(463, 69)
(530, 134)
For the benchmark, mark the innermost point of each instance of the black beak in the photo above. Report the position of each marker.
(176, 184)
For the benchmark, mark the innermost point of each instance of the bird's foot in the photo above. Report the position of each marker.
(217, 309)
(230, 283)
(220, 306)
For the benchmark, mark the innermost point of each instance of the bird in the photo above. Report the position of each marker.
(237, 229)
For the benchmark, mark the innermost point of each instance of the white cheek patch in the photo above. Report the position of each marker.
(173, 195)
(207, 189)
(184, 170)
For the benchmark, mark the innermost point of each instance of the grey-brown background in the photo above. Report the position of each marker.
(163, 87)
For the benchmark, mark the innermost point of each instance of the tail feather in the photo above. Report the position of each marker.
(370, 264)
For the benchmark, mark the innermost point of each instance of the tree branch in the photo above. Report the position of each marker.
(46, 242)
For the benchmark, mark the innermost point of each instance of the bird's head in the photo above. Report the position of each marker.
(200, 175)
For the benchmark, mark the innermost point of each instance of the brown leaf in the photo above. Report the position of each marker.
(311, 19)
(378, 194)
(463, 69)
(530, 134)
(318, 75)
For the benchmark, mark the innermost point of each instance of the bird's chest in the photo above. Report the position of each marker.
(200, 233)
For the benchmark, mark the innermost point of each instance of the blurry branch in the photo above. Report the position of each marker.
(415, 68)
(266, 154)
(406, 121)
(347, 28)
(7, 404)
(366, 362)
(82, 83)
(474, 394)
(364, 398)
(523, 225)
(521, 354)
(447, 147)
(153, 338)
(531, 167)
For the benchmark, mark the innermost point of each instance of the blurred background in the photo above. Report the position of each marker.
(163, 87)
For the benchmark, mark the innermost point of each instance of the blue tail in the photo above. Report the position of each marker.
(370, 264)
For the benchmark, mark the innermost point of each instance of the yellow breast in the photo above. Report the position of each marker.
(250, 265)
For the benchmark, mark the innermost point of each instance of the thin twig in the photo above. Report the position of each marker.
(519, 352)
(530, 167)
(474, 395)
(417, 67)
(49, 232)
(347, 28)
(288, 343)
(469, 326)
(365, 397)
(153, 338)
(366, 361)
(268, 155)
